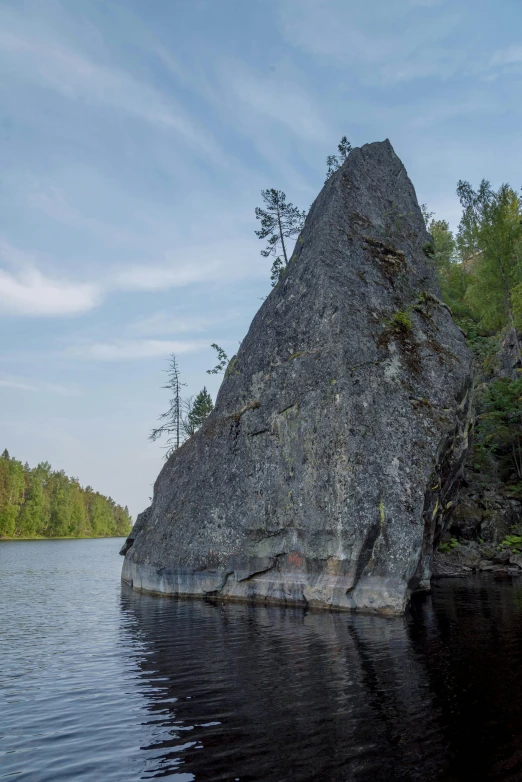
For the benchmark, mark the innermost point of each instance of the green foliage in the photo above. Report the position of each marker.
(498, 432)
(513, 542)
(334, 162)
(198, 411)
(231, 368)
(490, 242)
(453, 278)
(401, 322)
(483, 345)
(222, 361)
(277, 271)
(428, 249)
(279, 221)
(40, 502)
(473, 203)
(427, 215)
(446, 548)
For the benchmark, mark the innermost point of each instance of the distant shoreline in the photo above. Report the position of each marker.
(65, 537)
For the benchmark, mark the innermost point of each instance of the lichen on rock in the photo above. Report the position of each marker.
(325, 473)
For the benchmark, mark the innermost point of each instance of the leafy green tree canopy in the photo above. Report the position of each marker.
(490, 243)
(42, 502)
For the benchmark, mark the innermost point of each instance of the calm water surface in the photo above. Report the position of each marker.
(99, 683)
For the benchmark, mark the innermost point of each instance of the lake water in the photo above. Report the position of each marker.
(99, 683)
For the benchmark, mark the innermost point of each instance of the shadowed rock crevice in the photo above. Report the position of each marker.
(325, 471)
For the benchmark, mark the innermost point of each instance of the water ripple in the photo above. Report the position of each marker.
(100, 683)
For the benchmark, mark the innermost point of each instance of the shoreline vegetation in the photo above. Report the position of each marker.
(40, 503)
(4, 539)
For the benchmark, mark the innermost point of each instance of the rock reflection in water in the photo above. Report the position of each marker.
(248, 692)
(99, 685)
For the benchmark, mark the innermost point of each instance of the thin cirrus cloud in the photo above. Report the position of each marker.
(161, 277)
(48, 63)
(164, 323)
(394, 53)
(276, 99)
(512, 55)
(131, 349)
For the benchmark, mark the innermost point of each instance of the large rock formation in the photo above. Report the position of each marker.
(324, 474)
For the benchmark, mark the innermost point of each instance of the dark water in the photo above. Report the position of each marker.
(98, 684)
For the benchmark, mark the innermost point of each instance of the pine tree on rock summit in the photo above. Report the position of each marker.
(279, 221)
(333, 162)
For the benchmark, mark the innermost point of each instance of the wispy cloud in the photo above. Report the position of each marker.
(192, 264)
(277, 99)
(29, 292)
(163, 323)
(161, 277)
(26, 384)
(124, 350)
(511, 55)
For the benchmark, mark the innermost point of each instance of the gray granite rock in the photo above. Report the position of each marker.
(516, 559)
(327, 468)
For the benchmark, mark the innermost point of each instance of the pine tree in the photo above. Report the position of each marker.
(172, 418)
(279, 221)
(199, 410)
(334, 162)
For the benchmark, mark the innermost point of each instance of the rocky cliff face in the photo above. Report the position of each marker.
(326, 470)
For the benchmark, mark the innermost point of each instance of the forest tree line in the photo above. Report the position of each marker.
(42, 502)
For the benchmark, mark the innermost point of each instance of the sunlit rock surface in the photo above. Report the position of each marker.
(326, 470)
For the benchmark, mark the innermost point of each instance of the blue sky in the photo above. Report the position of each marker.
(136, 136)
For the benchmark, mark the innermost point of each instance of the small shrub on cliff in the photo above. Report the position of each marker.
(513, 542)
(222, 361)
(429, 249)
(448, 546)
(401, 322)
